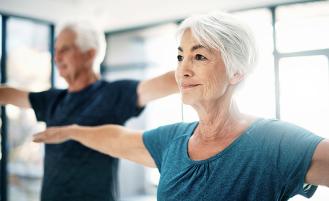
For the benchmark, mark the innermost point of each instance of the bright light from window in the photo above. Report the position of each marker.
(305, 99)
(256, 97)
(303, 26)
(305, 92)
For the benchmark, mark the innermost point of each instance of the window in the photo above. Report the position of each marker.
(304, 86)
(257, 96)
(302, 27)
(29, 68)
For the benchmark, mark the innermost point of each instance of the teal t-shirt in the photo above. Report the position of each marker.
(269, 161)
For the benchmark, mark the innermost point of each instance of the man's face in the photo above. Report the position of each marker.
(70, 60)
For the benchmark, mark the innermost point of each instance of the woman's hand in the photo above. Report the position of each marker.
(55, 135)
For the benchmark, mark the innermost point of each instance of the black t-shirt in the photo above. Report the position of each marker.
(72, 171)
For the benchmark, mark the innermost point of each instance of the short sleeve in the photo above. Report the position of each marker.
(158, 140)
(40, 102)
(126, 98)
(296, 147)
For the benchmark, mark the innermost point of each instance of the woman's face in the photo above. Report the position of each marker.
(201, 73)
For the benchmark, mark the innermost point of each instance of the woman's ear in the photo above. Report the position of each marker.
(237, 77)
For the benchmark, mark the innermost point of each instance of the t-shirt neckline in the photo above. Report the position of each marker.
(219, 154)
(86, 89)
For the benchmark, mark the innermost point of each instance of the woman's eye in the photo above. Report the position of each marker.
(200, 57)
(179, 58)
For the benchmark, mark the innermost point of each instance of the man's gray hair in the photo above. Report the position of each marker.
(89, 37)
(227, 34)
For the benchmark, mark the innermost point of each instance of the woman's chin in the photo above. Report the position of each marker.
(188, 100)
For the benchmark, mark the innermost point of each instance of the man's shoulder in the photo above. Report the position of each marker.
(49, 92)
(121, 82)
(124, 86)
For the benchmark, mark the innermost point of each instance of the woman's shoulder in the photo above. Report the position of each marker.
(277, 130)
(276, 125)
(170, 133)
(181, 128)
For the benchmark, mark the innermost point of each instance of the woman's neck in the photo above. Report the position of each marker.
(218, 121)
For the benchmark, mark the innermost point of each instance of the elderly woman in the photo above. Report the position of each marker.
(227, 155)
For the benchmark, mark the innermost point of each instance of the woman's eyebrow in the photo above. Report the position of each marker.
(195, 47)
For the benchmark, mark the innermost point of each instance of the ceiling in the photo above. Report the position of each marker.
(122, 14)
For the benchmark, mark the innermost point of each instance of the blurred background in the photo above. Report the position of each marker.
(290, 83)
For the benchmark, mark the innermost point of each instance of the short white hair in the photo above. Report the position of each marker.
(227, 34)
(89, 37)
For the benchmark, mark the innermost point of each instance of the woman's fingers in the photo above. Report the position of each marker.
(50, 135)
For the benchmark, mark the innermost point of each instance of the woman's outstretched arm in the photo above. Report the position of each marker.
(318, 173)
(113, 140)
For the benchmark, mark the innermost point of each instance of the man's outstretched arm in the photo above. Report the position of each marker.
(14, 96)
(157, 87)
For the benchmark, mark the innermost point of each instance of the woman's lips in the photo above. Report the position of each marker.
(189, 86)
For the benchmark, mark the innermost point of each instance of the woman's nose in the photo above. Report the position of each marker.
(185, 69)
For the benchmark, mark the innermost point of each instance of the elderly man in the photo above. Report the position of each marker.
(72, 171)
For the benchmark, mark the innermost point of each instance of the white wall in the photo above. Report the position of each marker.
(113, 14)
